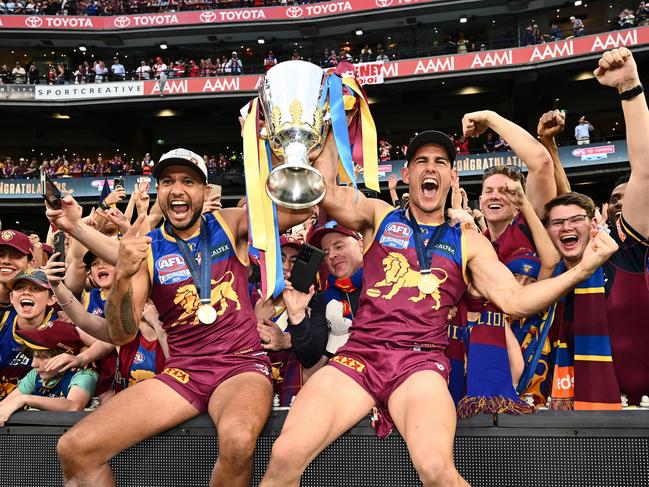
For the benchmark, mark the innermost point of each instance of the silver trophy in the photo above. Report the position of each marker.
(290, 95)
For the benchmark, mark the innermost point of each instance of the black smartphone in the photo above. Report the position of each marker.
(119, 183)
(306, 267)
(59, 246)
(50, 192)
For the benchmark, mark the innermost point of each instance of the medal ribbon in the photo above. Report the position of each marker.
(424, 252)
(200, 273)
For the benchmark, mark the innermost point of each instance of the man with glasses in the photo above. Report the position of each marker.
(571, 221)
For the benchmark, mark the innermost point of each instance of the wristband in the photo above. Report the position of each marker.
(632, 93)
(104, 206)
(68, 302)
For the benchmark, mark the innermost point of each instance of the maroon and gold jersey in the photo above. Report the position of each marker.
(392, 312)
(174, 295)
(516, 239)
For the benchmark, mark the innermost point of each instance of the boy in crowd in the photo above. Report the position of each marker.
(50, 390)
(31, 300)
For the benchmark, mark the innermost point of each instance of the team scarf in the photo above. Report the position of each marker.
(286, 368)
(532, 335)
(455, 353)
(339, 289)
(287, 376)
(584, 378)
(488, 375)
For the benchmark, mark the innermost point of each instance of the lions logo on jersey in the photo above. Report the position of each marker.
(222, 292)
(399, 275)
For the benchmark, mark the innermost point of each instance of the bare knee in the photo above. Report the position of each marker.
(286, 456)
(74, 451)
(237, 443)
(436, 471)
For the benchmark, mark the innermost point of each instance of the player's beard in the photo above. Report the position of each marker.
(195, 216)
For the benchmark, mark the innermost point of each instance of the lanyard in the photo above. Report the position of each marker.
(424, 252)
(200, 273)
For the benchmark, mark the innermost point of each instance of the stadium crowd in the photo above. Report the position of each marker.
(538, 283)
(76, 166)
(204, 64)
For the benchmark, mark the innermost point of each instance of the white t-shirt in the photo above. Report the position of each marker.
(582, 131)
(143, 72)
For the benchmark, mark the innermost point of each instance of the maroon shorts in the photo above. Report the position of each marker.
(196, 378)
(381, 371)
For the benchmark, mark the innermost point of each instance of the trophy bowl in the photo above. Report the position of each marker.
(290, 96)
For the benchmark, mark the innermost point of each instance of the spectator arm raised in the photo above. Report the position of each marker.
(540, 186)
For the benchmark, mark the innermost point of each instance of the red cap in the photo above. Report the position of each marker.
(37, 276)
(48, 249)
(17, 240)
(331, 227)
(286, 241)
(52, 335)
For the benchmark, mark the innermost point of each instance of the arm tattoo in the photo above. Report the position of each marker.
(127, 313)
(120, 315)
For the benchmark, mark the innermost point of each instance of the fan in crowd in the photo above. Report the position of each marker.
(536, 283)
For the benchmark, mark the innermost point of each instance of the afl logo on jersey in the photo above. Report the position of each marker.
(171, 269)
(139, 358)
(396, 235)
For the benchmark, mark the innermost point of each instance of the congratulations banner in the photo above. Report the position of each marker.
(78, 187)
(571, 156)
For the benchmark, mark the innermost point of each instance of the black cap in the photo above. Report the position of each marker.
(431, 137)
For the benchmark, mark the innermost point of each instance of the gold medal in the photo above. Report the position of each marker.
(427, 283)
(206, 314)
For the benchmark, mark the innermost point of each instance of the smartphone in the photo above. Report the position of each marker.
(306, 267)
(119, 183)
(59, 245)
(50, 192)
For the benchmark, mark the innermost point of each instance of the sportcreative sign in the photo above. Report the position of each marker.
(88, 91)
(368, 73)
(224, 16)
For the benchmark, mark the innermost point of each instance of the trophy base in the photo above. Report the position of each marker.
(296, 187)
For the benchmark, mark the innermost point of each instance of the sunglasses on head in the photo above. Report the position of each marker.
(510, 170)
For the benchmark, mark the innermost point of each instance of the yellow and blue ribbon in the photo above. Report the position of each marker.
(333, 93)
(262, 213)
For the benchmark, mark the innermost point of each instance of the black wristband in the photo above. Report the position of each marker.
(104, 206)
(631, 93)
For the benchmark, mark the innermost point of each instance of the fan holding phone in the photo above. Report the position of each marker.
(294, 344)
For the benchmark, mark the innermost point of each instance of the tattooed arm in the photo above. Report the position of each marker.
(131, 286)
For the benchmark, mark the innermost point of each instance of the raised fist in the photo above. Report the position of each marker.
(551, 124)
(617, 69)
